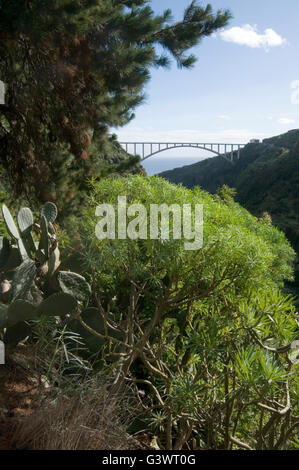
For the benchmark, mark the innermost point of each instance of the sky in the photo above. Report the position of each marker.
(244, 85)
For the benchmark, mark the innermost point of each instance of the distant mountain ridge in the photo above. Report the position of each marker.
(266, 178)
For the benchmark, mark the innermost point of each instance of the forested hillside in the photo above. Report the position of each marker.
(266, 179)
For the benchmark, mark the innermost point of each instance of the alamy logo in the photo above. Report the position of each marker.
(2, 93)
(155, 225)
(2, 353)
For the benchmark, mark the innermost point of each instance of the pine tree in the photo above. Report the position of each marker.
(74, 68)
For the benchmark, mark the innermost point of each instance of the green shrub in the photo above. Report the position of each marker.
(207, 333)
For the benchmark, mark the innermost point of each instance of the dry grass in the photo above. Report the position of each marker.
(88, 421)
(68, 413)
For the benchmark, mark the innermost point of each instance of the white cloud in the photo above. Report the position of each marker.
(225, 117)
(248, 35)
(286, 121)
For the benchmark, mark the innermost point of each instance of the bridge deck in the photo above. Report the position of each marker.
(145, 150)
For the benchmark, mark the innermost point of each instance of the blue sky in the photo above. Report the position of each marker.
(240, 86)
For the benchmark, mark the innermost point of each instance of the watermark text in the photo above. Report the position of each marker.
(163, 222)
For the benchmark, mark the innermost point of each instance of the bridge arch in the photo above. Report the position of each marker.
(180, 146)
(230, 152)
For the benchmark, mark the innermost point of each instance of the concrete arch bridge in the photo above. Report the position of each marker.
(145, 150)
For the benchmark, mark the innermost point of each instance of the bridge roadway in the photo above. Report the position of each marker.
(145, 150)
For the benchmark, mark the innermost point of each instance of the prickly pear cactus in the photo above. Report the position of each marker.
(29, 278)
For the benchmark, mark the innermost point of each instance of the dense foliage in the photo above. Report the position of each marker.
(206, 333)
(78, 69)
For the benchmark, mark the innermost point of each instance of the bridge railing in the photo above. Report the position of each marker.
(147, 149)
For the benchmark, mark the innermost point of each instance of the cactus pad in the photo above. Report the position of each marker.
(20, 311)
(10, 224)
(58, 305)
(25, 221)
(49, 211)
(17, 333)
(23, 279)
(74, 284)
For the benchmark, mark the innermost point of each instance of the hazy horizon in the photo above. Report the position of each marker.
(156, 165)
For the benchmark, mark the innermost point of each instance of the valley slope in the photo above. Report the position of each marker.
(266, 178)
